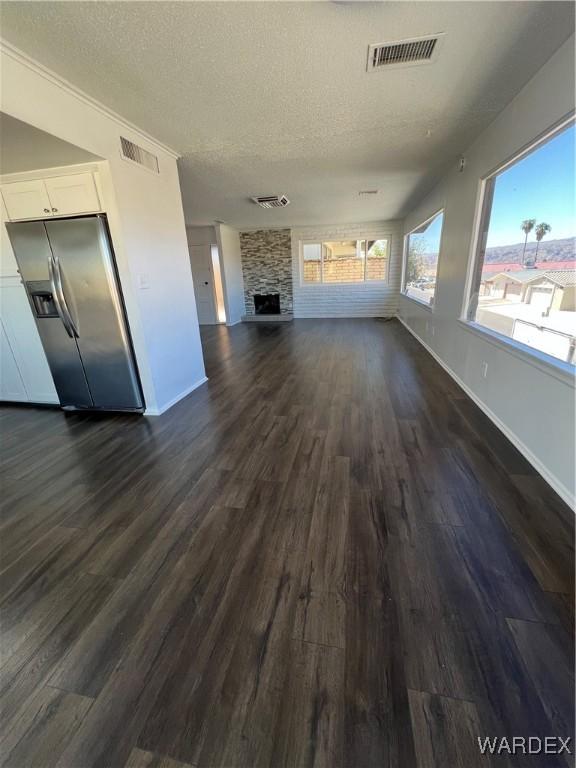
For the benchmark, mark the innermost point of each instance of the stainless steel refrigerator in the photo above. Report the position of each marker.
(68, 269)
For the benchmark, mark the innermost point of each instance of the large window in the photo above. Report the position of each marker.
(422, 248)
(524, 280)
(345, 261)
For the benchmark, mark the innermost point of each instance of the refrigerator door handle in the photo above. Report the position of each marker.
(63, 301)
(58, 294)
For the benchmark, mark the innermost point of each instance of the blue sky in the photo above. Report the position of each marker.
(431, 236)
(541, 186)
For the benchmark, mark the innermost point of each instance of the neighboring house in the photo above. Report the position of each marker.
(547, 289)
(511, 286)
(555, 289)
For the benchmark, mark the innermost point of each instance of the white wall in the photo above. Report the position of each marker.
(232, 278)
(201, 235)
(146, 221)
(25, 148)
(375, 299)
(530, 401)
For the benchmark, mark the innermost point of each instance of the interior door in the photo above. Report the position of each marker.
(201, 259)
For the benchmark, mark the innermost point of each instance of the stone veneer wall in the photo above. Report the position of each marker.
(267, 266)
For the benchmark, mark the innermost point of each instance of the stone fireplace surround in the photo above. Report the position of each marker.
(267, 268)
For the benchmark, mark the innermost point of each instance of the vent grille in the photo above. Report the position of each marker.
(421, 50)
(136, 154)
(272, 201)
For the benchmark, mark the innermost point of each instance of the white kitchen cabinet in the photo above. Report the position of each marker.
(8, 265)
(53, 196)
(23, 348)
(73, 194)
(11, 384)
(26, 200)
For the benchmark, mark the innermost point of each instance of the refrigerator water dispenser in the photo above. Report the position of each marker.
(42, 299)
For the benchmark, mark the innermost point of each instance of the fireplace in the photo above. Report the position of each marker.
(267, 303)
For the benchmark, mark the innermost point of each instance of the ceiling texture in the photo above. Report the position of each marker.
(265, 98)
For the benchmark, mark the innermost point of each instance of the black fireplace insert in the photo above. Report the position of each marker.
(267, 303)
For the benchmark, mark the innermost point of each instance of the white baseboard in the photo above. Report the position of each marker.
(170, 403)
(550, 478)
(343, 316)
(236, 322)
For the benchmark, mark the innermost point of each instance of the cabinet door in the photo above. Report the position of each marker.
(11, 384)
(26, 200)
(8, 265)
(73, 194)
(24, 341)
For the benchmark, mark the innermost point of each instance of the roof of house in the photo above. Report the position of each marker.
(518, 276)
(563, 277)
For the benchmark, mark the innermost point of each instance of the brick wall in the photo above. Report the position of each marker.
(374, 298)
(267, 266)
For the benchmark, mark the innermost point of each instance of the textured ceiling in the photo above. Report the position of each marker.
(25, 148)
(273, 97)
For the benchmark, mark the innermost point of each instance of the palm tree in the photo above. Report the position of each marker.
(527, 226)
(541, 230)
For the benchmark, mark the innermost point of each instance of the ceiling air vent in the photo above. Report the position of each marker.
(272, 201)
(136, 154)
(417, 50)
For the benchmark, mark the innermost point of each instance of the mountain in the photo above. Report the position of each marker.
(549, 250)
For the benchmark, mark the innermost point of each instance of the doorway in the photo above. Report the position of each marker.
(218, 287)
(208, 284)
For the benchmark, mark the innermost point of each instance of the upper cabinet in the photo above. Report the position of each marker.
(26, 200)
(53, 196)
(73, 194)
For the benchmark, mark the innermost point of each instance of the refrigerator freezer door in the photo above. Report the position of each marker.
(84, 260)
(33, 254)
(65, 364)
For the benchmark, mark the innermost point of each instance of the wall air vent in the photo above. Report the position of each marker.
(135, 154)
(417, 50)
(271, 201)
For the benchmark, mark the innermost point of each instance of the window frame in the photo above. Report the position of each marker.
(421, 303)
(326, 239)
(483, 210)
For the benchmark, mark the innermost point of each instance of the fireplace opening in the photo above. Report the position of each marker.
(267, 303)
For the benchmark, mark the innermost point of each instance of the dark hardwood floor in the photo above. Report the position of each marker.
(325, 556)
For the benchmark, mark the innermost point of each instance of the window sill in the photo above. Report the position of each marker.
(429, 307)
(561, 370)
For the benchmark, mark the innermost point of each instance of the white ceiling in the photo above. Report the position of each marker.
(25, 148)
(273, 97)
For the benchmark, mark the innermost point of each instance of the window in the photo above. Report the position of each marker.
(345, 261)
(524, 279)
(422, 249)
